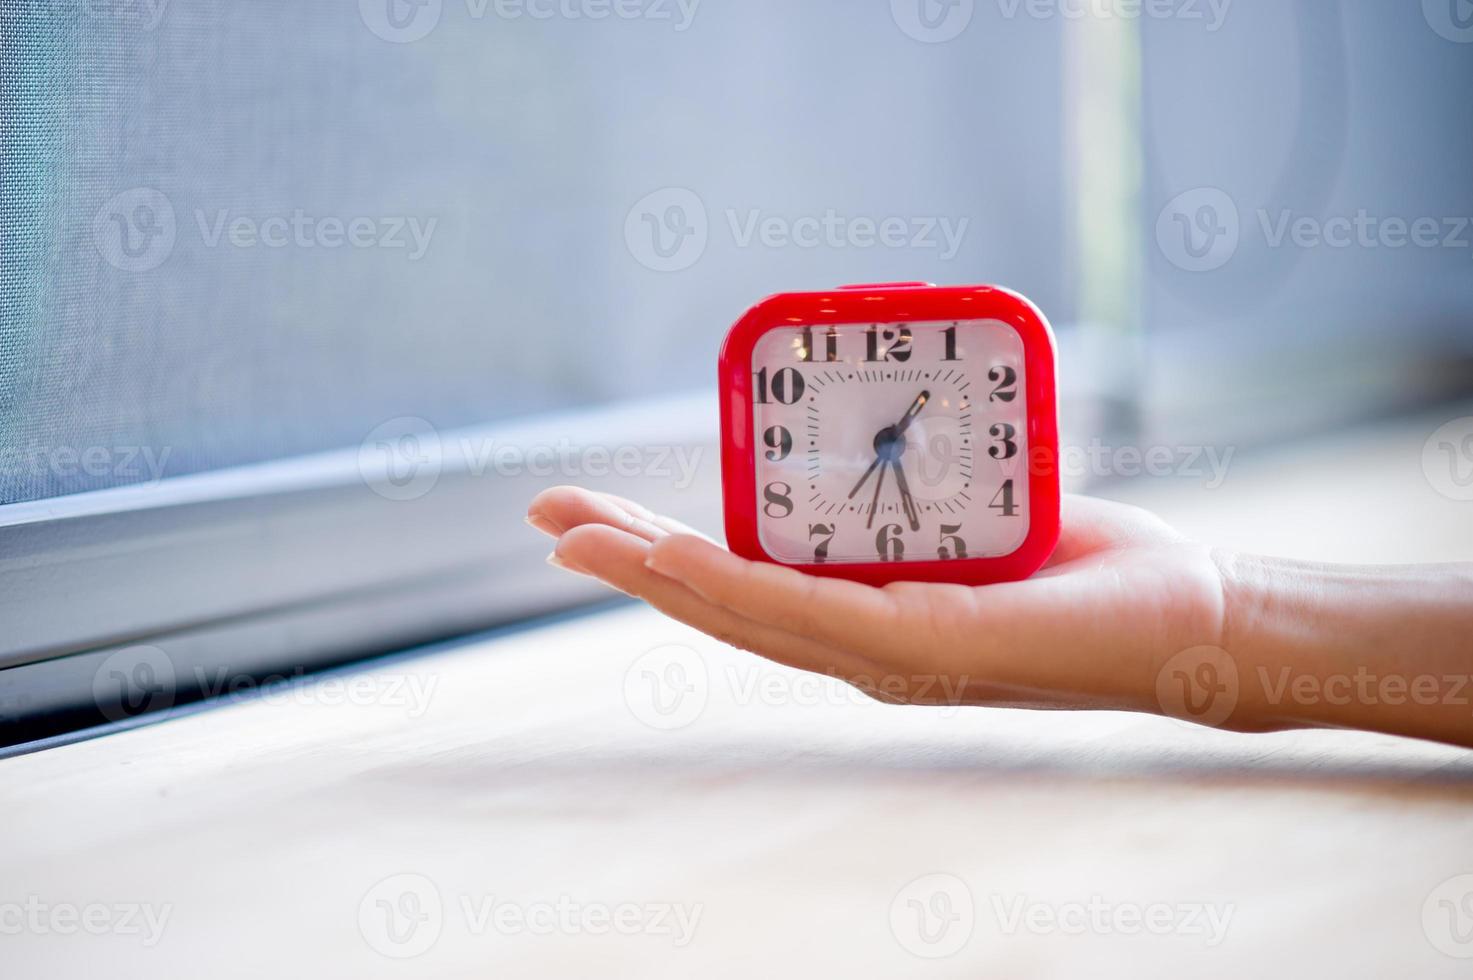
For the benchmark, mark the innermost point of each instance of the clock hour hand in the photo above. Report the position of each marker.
(911, 513)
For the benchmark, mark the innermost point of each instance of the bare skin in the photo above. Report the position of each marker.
(1125, 610)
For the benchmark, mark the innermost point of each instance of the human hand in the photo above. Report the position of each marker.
(1122, 595)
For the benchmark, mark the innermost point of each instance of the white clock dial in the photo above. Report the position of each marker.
(891, 442)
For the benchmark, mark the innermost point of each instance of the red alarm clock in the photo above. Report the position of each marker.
(894, 432)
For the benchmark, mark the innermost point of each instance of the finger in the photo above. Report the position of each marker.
(839, 614)
(618, 558)
(563, 508)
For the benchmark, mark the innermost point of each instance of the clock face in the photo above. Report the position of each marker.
(891, 442)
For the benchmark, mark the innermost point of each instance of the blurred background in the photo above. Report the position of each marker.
(295, 296)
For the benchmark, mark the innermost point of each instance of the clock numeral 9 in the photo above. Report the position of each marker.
(898, 341)
(957, 549)
(824, 534)
(1006, 380)
(779, 497)
(888, 543)
(787, 386)
(1008, 506)
(780, 443)
(1006, 448)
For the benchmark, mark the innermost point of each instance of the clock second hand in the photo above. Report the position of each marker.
(911, 513)
(875, 504)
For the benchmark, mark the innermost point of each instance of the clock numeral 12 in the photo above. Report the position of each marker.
(899, 349)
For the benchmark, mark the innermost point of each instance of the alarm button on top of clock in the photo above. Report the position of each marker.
(889, 285)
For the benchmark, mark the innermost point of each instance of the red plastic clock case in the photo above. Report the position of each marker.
(896, 303)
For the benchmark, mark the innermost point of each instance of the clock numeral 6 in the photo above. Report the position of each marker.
(888, 543)
(824, 534)
(779, 497)
(1006, 447)
(787, 386)
(957, 549)
(1008, 506)
(1006, 380)
(780, 441)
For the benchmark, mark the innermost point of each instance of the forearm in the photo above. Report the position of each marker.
(1385, 649)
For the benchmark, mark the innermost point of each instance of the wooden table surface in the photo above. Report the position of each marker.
(616, 795)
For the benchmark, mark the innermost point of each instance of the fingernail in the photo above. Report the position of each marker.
(567, 566)
(544, 525)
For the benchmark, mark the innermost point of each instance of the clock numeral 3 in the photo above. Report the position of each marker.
(780, 443)
(787, 386)
(824, 534)
(779, 497)
(888, 543)
(1006, 448)
(957, 548)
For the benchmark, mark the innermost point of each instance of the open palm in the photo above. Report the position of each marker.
(1122, 595)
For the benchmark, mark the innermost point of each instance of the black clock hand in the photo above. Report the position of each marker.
(875, 504)
(891, 435)
(865, 479)
(912, 412)
(911, 513)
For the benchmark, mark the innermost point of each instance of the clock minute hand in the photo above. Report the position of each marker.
(911, 513)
